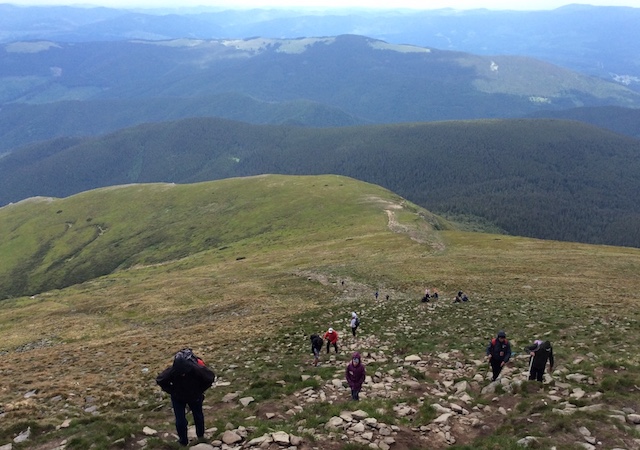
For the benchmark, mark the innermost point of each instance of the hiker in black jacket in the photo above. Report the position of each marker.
(498, 353)
(316, 347)
(186, 380)
(541, 352)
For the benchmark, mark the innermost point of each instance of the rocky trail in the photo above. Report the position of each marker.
(435, 399)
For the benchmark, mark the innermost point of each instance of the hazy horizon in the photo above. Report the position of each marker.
(328, 4)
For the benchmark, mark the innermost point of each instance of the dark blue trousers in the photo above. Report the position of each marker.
(179, 409)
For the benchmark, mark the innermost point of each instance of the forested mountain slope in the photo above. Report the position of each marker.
(550, 179)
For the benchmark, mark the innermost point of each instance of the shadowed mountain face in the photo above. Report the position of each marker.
(352, 78)
(542, 178)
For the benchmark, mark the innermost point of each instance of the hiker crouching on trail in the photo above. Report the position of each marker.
(316, 348)
(186, 380)
(498, 353)
(540, 352)
(356, 374)
(331, 337)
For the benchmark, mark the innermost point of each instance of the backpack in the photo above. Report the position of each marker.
(187, 355)
(316, 341)
(357, 322)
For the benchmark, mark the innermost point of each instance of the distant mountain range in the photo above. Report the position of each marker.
(594, 40)
(549, 179)
(50, 89)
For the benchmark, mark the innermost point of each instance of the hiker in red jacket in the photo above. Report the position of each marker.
(356, 374)
(331, 337)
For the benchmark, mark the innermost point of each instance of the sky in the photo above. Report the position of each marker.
(385, 4)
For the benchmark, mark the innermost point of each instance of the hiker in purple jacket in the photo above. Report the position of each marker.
(356, 374)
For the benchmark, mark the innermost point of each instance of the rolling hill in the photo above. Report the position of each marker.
(54, 243)
(358, 77)
(244, 270)
(620, 120)
(593, 40)
(542, 178)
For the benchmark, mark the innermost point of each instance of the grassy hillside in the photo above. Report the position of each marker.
(541, 178)
(54, 243)
(247, 305)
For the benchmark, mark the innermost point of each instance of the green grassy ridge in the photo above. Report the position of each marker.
(542, 178)
(53, 243)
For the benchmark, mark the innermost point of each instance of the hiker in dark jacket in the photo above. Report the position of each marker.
(356, 374)
(316, 347)
(186, 380)
(541, 352)
(498, 353)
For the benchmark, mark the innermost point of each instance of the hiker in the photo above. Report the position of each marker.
(435, 294)
(460, 297)
(498, 353)
(185, 381)
(540, 352)
(426, 297)
(355, 323)
(376, 294)
(316, 348)
(332, 339)
(355, 374)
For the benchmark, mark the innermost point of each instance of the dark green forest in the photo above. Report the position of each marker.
(541, 178)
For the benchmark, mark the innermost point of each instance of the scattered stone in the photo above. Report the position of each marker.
(246, 400)
(30, 394)
(527, 440)
(634, 418)
(443, 418)
(584, 431)
(149, 431)
(334, 423)
(359, 414)
(23, 436)
(412, 358)
(229, 437)
(230, 397)
(280, 437)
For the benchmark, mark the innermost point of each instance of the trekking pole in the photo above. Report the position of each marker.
(530, 364)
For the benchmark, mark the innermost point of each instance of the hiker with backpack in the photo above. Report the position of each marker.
(356, 374)
(316, 348)
(498, 353)
(331, 337)
(355, 323)
(540, 352)
(185, 381)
